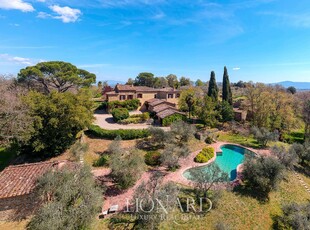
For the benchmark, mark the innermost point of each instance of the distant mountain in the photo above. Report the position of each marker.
(297, 85)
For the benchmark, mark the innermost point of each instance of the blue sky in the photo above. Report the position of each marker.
(258, 40)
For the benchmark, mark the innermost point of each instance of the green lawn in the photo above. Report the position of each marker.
(6, 155)
(239, 211)
(248, 141)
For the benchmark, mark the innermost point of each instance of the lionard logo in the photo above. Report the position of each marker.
(163, 208)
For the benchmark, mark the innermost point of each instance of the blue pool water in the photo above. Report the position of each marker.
(228, 161)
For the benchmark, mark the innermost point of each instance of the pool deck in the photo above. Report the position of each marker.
(115, 197)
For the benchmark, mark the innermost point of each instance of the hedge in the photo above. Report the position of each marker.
(175, 117)
(125, 134)
(128, 104)
(205, 155)
(120, 114)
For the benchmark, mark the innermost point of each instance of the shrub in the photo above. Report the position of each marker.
(128, 104)
(145, 116)
(171, 119)
(125, 134)
(134, 120)
(102, 161)
(120, 114)
(201, 158)
(205, 155)
(209, 140)
(152, 158)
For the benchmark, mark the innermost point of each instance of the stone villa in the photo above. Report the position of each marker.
(143, 93)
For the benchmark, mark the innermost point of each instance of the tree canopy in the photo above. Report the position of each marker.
(57, 119)
(226, 93)
(15, 121)
(213, 89)
(172, 81)
(144, 79)
(184, 81)
(55, 75)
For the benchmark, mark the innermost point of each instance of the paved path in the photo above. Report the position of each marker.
(105, 121)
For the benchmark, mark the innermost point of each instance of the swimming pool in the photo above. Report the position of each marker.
(228, 161)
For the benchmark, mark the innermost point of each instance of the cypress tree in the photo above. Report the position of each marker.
(226, 94)
(213, 89)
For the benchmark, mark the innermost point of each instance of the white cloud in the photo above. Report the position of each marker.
(14, 24)
(16, 5)
(159, 15)
(43, 15)
(236, 68)
(16, 59)
(300, 20)
(66, 14)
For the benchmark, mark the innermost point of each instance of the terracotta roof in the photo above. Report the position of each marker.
(167, 113)
(120, 87)
(111, 93)
(163, 107)
(145, 89)
(17, 180)
(125, 87)
(152, 100)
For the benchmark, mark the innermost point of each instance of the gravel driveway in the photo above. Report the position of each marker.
(105, 121)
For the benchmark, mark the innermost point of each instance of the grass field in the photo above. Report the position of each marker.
(237, 211)
(248, 141)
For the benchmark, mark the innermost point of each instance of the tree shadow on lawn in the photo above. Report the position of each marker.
(256, 194)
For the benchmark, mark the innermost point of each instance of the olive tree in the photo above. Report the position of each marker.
(302, 151)
(205, 180)
(286, 157)
(263, 135)
(295, 217)
(127, 168)
(262, 174)
(149, 194)
(70, 197)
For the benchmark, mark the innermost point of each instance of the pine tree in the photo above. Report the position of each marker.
(226, 94)
(213, 89)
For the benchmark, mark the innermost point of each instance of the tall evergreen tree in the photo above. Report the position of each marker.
(213, 89)
(226, 94)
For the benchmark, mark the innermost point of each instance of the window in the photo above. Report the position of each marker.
(130, 97)
(139, 95)
(170, 95)
(122, 97)
(177, 95)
